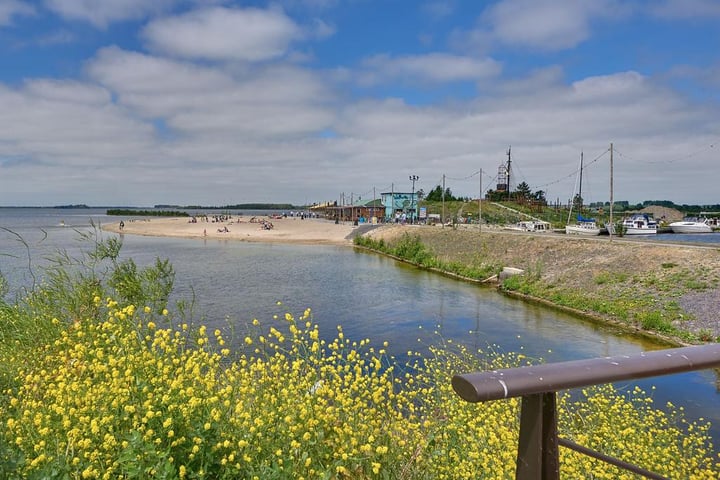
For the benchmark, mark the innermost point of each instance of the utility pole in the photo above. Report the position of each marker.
(413, 179)
(480, 205)
(612, 225)
(442, 220)
(508, 171)
(392, 202)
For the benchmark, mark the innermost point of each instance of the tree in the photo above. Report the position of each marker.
(577, 202)
(436, 195)
(539, 197)
(523, 192)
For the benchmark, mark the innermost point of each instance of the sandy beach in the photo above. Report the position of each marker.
(248, 229)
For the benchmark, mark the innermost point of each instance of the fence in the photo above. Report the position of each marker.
(538, 454)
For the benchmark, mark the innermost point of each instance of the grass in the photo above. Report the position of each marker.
(411, 249)
(100, 386)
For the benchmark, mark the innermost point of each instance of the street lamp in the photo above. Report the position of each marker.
(413, 178)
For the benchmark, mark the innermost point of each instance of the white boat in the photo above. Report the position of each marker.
(639, 224)
(530, 226)
(691, 225)
(583, 226)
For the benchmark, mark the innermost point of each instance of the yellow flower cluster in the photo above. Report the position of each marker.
(118, 397)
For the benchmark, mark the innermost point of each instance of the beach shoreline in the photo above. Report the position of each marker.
(310, 231)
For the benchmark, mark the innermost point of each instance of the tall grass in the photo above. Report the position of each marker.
(411, 249)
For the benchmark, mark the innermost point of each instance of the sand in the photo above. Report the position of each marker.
(285, 230)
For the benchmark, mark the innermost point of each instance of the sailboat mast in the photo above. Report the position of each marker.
(581, 170)
(572, 198)
(611, 192)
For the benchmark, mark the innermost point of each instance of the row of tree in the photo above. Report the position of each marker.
(522, 194)
(437, 195)
(689, 209)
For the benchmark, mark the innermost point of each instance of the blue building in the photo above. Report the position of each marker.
(399, 203)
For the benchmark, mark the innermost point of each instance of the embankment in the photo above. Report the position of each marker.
(670, 291)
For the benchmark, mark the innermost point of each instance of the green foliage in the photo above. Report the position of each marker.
(436, 195)
(411, 249)
(643, 311)
(609, 277)
(653, 320)
(150, 286)
(68, 293)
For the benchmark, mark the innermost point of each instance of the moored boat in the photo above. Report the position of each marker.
(583, 226)
(530, 226)
(639, 224)
(691, 225)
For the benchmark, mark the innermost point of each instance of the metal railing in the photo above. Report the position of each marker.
(538, 455)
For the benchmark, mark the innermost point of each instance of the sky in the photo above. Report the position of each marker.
(202, 102)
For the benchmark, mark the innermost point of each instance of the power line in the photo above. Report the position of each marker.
(574, 172)
(673, 160)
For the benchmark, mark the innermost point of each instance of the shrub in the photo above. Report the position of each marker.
(117, 396)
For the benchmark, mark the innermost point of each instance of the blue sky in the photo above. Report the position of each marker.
(133, 102)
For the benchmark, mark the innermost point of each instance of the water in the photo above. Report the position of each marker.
(704, 238)
(370, 296)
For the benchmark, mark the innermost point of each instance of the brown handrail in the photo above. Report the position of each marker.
(538, 384)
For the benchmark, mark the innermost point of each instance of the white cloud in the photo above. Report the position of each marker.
(430, 68)
(223, 34)
(673, 9)
(12, 8)
(209, 102)
(544, 24)
(103, 12)
(132, 72)
(438, 8)
(321, 29)
(67, 91)
(80, 126)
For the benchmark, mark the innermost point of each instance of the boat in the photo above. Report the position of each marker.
(530, 226)
(639, 224)
(583, 226)
(691, 225)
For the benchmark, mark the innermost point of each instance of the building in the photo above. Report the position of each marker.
(398, 203)
(359, 211)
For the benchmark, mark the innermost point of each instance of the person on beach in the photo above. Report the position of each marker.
(122, 224)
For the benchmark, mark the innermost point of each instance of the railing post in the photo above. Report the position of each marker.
(538, 457)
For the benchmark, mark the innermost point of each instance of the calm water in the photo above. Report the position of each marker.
(368, 295)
